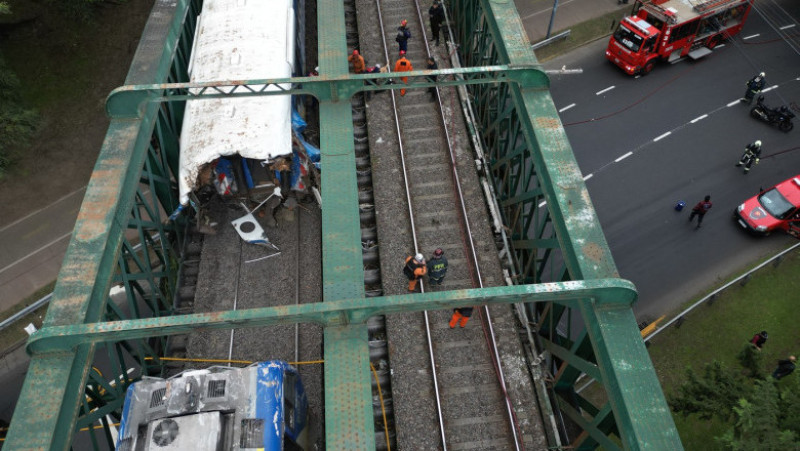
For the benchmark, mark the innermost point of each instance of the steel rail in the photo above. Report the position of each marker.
(413, 235)
(490, 335)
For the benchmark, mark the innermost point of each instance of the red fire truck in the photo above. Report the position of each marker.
(673, 29)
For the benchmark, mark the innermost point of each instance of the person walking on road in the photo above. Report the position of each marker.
(754, 86)
(358, 62)
(759, 339)
(403, 35)
(414, 269)
(403, 65)
(436, 13)
(785, 367)
(700, 210)
(752, 154)
(432, 78)
(460, 316)
(437, 267)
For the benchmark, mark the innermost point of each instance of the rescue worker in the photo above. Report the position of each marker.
(752, 154)
(358, 62)
(403, 65)
(414, 269)
(432, 78)
(437, 267)
(460, 316)
(754, 86)
(403, 35)
(436, 13)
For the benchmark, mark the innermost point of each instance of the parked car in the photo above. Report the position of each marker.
(777, 208)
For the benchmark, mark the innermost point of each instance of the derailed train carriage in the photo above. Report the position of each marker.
(245, 147)
(261, 406)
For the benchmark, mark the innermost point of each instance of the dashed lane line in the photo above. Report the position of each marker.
(786, 27)
(662, 136)
(751, 36)
(604, 90)
(566, 108)
(623, 157)
(697, 119)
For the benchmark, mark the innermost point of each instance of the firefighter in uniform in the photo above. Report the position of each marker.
(414, 269)
(403, 65)
(752, 154)
(437, 267)
(460, 316)
(754, 86)
(358, 62)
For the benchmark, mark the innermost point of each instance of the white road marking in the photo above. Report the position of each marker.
(770, 88)
(41, 209)
(662, 136)
(66, 235)
(545, 10)
(735, 102)
(588, 177)
(605, 90)
(786, 27)
(751, 36)
(720, 46)
(623, 157)
(566, 108)
(698, 118)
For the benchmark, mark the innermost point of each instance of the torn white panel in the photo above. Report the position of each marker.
(238, 40)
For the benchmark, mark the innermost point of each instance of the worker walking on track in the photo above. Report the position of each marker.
(414, 269)
(403, 65)
(437, 267)
(358, 62)
(436, 13)
(460, 316)
(403, 35)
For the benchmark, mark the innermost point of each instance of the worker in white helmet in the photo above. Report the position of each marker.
(754, 86)
(752, 154)
(414, 269)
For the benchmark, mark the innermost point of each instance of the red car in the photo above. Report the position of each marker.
(777, 208)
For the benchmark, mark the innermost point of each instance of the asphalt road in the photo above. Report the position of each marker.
(645, 143)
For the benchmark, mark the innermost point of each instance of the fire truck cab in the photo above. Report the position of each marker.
(672, 29)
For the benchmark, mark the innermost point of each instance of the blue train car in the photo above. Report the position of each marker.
(262, 406)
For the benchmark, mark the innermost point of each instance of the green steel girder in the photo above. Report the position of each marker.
(127, 101)
(610, 293)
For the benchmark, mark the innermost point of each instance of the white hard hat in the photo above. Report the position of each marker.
(762, 75)
(378, 66)
(757, 143)
(419, 257)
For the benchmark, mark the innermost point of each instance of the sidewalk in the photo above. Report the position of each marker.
(535, 14)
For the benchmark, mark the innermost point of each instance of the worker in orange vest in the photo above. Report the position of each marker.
(414, 269)
(460, 315)
(358, 62)
(403, 65)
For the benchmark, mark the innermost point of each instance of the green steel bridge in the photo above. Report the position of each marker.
(558, 246)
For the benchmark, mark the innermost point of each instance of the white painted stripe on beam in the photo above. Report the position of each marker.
(786, 27)
(588, 177)
(623, 157)
(605, 90)
(770, 88)
(751, 36)
(542, 204)
(697, 119)
(662, 136)
(566, 108)
(735, 102)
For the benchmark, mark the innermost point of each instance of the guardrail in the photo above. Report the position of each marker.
(742, 279)
(551, 39)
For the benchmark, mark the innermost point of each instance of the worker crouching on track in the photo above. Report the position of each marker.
(460, 316)
(414, 269)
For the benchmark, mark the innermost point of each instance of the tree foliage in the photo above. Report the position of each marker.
(17, 124)
(752, 360)
(712, 394)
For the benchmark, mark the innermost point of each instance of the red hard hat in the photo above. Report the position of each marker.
(355, 52)
(404, 22)
(402, 52)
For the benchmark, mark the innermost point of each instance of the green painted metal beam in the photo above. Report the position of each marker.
(348, 392)
(338, 313)
(128, 101)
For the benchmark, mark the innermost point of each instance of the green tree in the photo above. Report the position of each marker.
(713, 394)
(17, 124)
(757, 424)
(752, 359)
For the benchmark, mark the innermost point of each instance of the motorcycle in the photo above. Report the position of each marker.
(781, 117)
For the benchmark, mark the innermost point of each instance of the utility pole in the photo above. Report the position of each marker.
(552, 16)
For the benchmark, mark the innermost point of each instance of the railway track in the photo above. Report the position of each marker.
(448, 387)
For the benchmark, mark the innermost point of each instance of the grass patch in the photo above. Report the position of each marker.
(582, 34)
(720, 330)
(14, 333)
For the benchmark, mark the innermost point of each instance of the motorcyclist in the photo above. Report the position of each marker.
(752, 154)
(754, 86)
